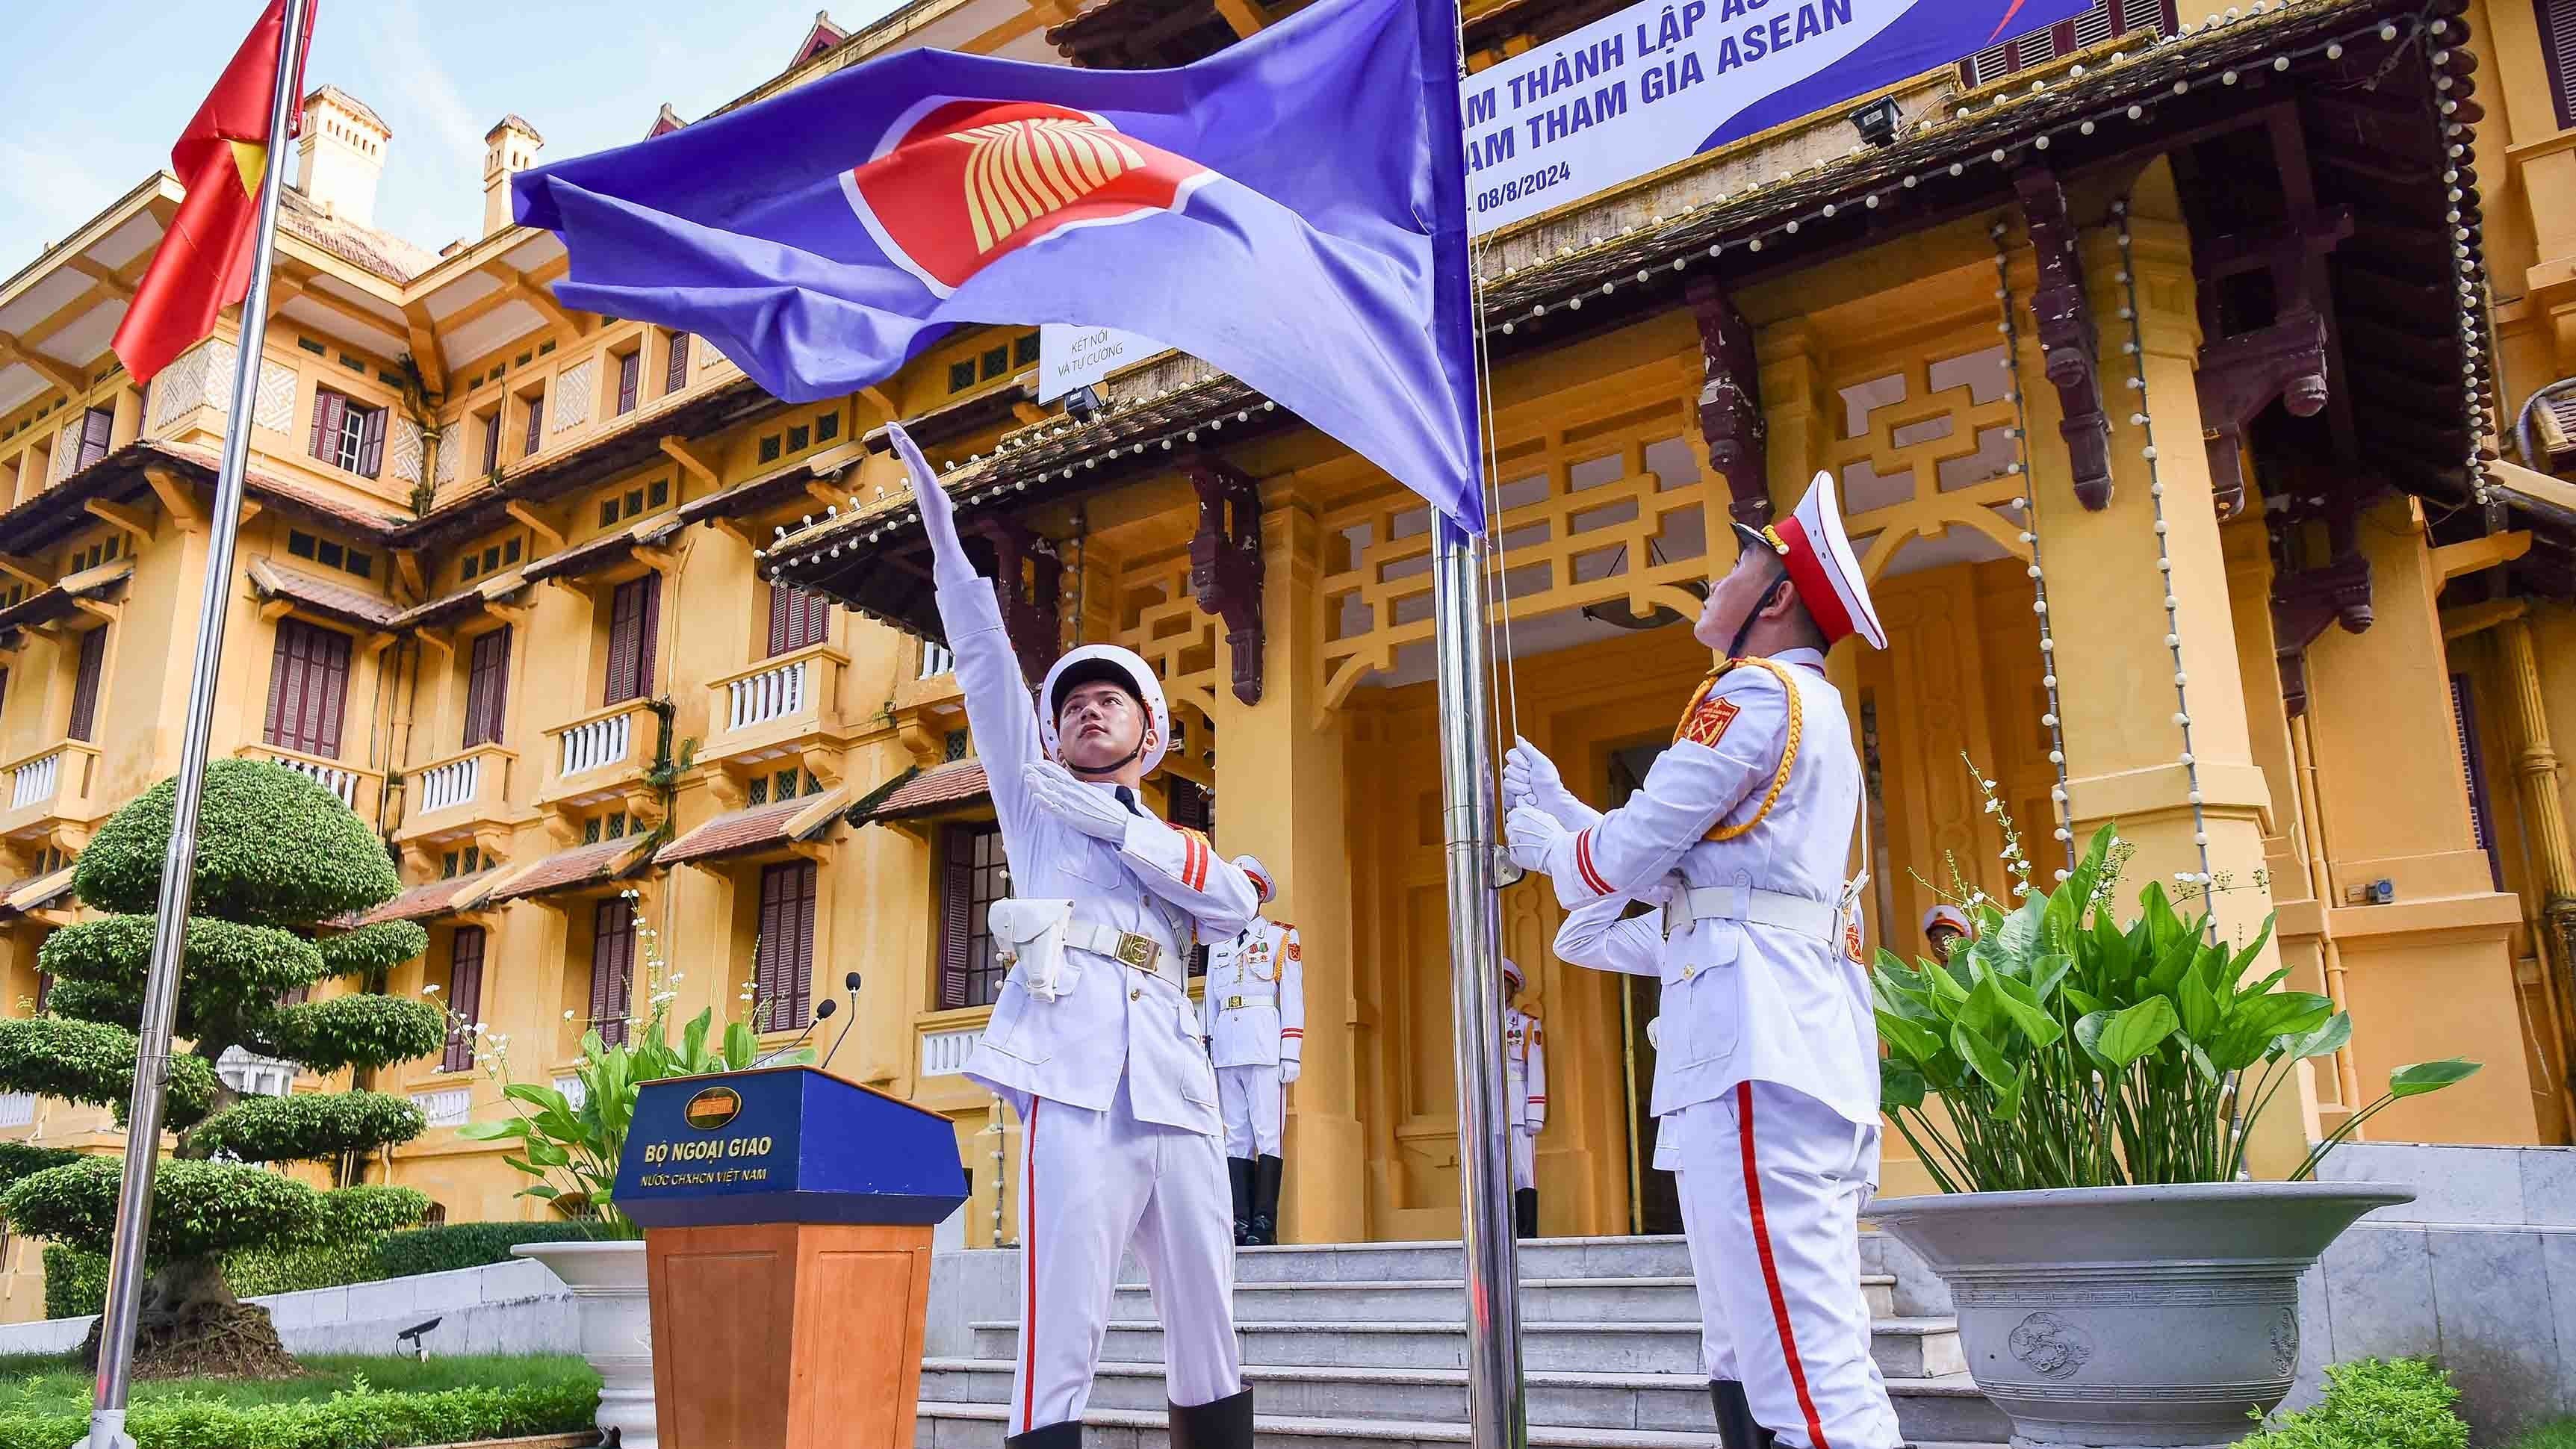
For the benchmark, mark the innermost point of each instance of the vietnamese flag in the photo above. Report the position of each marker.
(203, 265)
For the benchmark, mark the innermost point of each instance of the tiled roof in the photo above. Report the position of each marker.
(328, 597)
(380, 252)
(35, 895)
(945, 788)
(756, 828)
(605, 551)
(294, 497)
(46, 605)
(432, 898)
(465, 603)
(580, 866)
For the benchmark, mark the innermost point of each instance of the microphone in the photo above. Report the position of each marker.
(826, 1009)
(851, 983)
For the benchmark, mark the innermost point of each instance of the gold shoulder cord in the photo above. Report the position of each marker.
(1788, 751)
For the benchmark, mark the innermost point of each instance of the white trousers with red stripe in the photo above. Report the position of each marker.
(1249, 1100)
(1524, 1158)
(1093, 1185)
(1771, 1183)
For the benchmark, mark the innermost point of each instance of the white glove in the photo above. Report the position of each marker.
(1532, 834)
(938, 512)
(1087, 808)
(1288, 1069)
(1530, 777)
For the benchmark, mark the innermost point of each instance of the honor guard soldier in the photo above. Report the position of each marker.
(1093, 1040)
(1766, 1081)
(1525, 1074)
(1255, 1017)
(1944, 927)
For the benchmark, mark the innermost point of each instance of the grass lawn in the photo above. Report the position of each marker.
(58, 1384)
(2561, 1435)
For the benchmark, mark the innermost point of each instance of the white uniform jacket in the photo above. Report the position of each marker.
(1742, 1001)
(1255, 1010)
(1160, 882)
(1525, 1070)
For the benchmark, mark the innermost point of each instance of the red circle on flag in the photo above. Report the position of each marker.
(972, 181)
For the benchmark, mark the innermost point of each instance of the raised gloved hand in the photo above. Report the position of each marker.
(1288, 1069)
(1531, 778)
(1087, 808)
(1532, 835)
(938, 513)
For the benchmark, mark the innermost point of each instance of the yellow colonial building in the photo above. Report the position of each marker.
(2175, 369)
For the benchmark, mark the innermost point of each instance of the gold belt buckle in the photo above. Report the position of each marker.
(1234, 1003)
(1137, 951)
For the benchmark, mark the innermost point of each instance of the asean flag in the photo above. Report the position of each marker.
(1291, 209)
(203, 265)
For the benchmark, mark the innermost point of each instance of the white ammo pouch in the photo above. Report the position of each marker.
(1753, 906)
(1029, 942)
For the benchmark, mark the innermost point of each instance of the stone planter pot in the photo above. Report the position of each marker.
(2131, 1315)
(616, 1315)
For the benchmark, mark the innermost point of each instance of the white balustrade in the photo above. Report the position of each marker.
(453, 783)
(17, 1109)
(574, 1093)
(771, 694)
(447, 1107)
(936, 660)
(340, 782)
(944, 1053)
(597, 742)
(33, 783)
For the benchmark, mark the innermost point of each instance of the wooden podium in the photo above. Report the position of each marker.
(787, 1219)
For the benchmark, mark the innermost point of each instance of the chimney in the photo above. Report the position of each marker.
(341, 155)
(508, 149)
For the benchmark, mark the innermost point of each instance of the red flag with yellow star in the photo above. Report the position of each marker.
(203, 265)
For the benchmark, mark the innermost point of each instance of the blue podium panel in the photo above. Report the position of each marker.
(784, 1145)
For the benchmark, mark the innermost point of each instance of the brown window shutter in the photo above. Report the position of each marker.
(308, 689)
(44, 989)
(492, 442)
(2473, 770)
(464, 996)
(802, 876)
(487, 687)
(285, 683)
(536, 422)
(797, 618)
(371, 442)
(97, 426)
(326, 424)
(956, 914)
(85, 685)
(626, 632)
(676, 375)
(612, 964)
(630, 369)
(2558, 52)
(648, 642)
(783, 975)
(332, 648)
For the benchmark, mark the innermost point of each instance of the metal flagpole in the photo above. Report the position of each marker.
(1496, 1411)
(178, 865)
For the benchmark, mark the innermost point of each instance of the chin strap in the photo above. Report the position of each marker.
(1110, 769)
(1735, 646)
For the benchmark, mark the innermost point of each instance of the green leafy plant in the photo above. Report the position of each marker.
(467, 1245)
(497, 1398)
(571, 1148)
(2072, 1051)
(2374, 1403)
(280, 862)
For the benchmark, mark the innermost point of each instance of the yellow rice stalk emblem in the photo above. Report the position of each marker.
(1023, 170)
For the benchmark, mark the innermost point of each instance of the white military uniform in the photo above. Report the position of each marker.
(1766, 1080)
(1255, 1015)
(1117, 1098)
(1525, 1074)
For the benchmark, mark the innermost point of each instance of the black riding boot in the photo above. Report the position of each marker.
(1067, 1435)
(1265, 1199)
(1225, 1424)
(1736, 1428)
(1239, 1169)
(1525, 1212)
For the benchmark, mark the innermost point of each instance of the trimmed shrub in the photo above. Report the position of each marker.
(197, 1207)
(359, 1030)
(273, 848)
(369, 1211)
(357, 1419)
(309, 1127)
(24, 1159)
(468, 1245)
(75, 1282)
(2375, 1403)
(93, 1062)
(369, 950)
(225, 960)
(254, 1271)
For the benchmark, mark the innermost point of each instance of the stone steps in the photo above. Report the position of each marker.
(1941, 1408)
(1903, 1347)
(1581, 1300)
(980, 1426)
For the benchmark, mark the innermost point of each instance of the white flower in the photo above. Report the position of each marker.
(429, 991)
(567, 1016)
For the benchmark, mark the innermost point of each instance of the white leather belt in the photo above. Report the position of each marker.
(1753, 906)
(1236, 1001)
(1125, 947)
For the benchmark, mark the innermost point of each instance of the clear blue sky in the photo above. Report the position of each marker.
(98, 89)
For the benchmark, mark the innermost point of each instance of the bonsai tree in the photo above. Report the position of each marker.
(280, 862)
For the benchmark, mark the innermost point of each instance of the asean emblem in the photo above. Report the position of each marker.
(959, 184)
